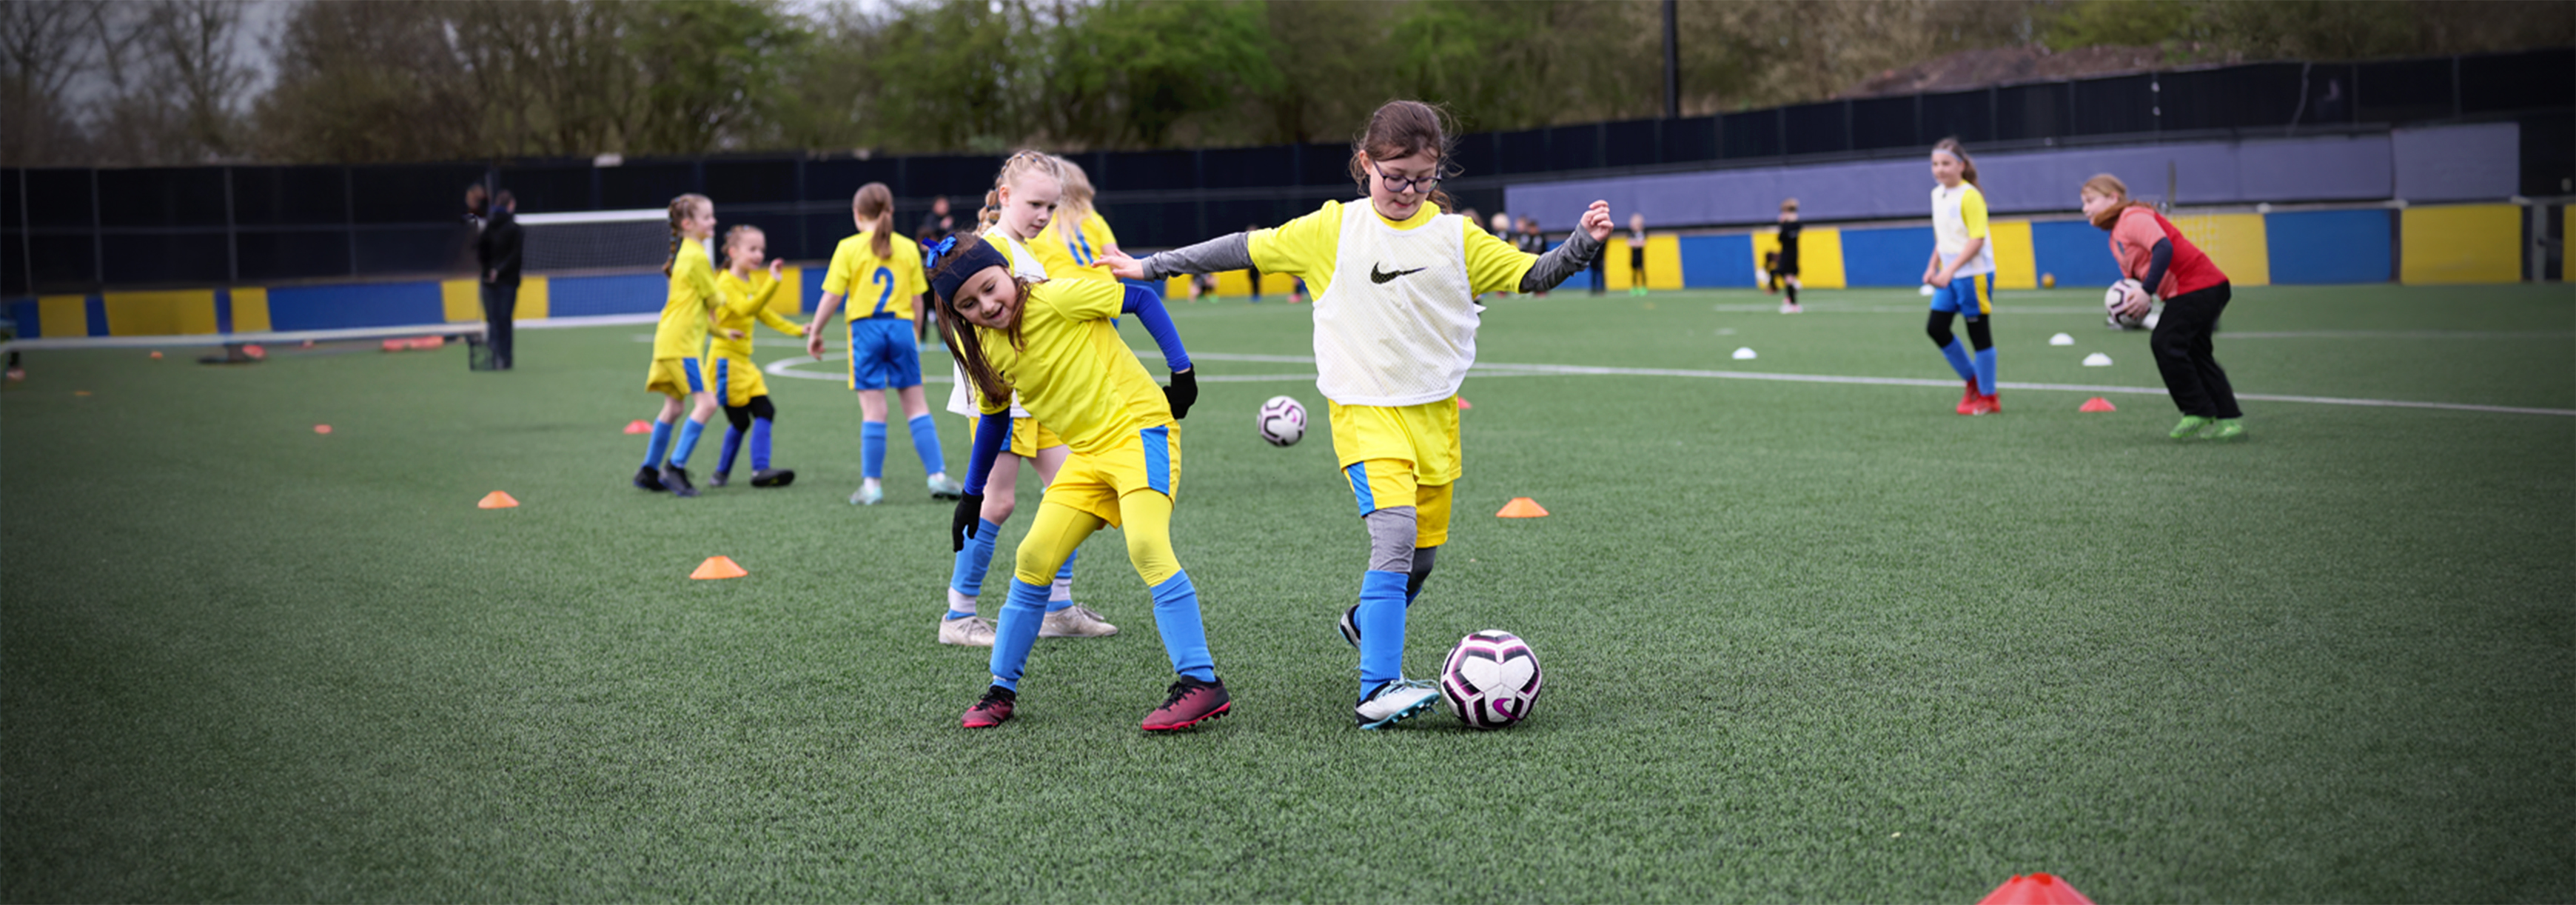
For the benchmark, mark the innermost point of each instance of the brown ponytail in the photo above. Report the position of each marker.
(681, 208)
(875, 203)
(1403, 128)
(1967, 167)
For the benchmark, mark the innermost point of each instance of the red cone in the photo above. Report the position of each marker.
(2036, 889)
(2097, 404)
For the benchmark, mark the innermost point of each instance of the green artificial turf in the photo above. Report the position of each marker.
(1803, 641)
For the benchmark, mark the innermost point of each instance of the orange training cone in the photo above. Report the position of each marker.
(721, 567)
(1463, 405)
(1521, 507)
(321, 428)
(156, 355)
(639, 427)
(2097, 404)
(2036, 889)
(255, 350)
(497, 500)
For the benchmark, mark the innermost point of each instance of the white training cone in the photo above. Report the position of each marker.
(2097, 360)
(2061, 340)
(1745, 354)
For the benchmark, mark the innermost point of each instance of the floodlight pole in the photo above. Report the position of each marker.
(1672, 60)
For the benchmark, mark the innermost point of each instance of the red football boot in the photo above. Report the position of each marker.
(1968, 400)
(1986, 405)
(1191, 702)
(993, 710)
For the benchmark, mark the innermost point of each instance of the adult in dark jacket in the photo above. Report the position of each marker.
(499, 249)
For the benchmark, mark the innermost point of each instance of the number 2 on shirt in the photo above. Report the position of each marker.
(883, 277)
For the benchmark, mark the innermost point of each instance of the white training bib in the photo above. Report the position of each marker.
(1397, 326)
(1950, 230)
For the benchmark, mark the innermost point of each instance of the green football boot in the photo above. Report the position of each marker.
(2189, 427)
(2225, 430)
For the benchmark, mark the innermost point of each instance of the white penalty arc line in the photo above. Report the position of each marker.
(787, 368)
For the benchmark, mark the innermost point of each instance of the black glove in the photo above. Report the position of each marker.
(1183, 393)
(970, 514)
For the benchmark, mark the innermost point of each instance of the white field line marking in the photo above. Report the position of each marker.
(785, 368)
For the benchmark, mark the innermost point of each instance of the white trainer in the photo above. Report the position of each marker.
(1076, 621)
(1398, 700)
(966, 631)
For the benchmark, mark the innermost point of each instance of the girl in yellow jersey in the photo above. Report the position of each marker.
(1023, 199)
(1051, 343)
(731, 376)
(1396, 282)
(687, 314)
(880, 273)
(1961, 273)
(1072, 245)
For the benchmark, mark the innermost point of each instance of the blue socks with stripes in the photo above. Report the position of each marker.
(1957, 353)
(1986, 371)
(687, 443)
(925, 443)
(660, 446)
(872, 443)
(1381, 622)
(759, 445)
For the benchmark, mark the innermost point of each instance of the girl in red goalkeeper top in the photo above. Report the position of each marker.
(2151, 251)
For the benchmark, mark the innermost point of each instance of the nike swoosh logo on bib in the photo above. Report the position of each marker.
(1381, 277)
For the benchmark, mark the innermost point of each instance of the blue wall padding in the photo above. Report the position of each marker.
(95, 307)
(1717, 261)
(620, 294)
(1886, 257)
(2329, 246)
(2074, 251)
(30, 323)
(356, 305)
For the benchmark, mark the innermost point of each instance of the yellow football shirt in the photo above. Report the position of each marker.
(1072, 372)
(683, 329)
(1310, 246)
(743, 304)
(870, 285)
(1073, 257)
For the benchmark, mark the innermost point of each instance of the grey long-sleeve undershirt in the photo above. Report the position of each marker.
(1234, 252)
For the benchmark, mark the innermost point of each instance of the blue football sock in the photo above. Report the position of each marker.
(1381, 622)
(1986, 371)
(687, 443)
(725, 451)
(872, 449)
(1016, 631)
(760, 444)
(974, 560)
(925, 443)
(1957, 353)
(661, 445)
(1063, 574)
(1176, 615)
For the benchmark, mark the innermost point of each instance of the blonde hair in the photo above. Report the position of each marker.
(1967, 168)
(2109, 186)
(1020, 163)
(735, 235)
(1076, 205)
(681, 208)
(876, 197)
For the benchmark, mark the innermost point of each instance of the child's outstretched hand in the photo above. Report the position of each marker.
(1596, 221)
(1124, 267)
(776, 267)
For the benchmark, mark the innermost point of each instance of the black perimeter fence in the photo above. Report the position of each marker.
(82, 230)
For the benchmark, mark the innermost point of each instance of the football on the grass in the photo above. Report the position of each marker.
(1282, 421)
(1491, 679)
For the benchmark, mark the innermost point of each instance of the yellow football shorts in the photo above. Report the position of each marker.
(734, 380)
(1399, 456)
(1027, 436)
(1149, 459)
(674, 377)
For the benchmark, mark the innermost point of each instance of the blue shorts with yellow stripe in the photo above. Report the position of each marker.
(1972, 296)
(1149, 459)
(1405, 455)
(882, 354)
(674, 377)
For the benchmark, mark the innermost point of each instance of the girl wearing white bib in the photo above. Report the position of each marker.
(1962, 276)
(1395, 284)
